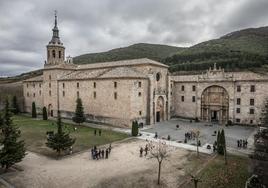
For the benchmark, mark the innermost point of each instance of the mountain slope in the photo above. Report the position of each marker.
(240, 50)
(142, 50)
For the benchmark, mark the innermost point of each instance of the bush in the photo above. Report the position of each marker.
(34, 115)
(135, 128)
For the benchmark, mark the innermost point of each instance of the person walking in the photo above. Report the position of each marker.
(141, 151)
(146, 150)
(110, 148)
(102, 154)
(107, 153)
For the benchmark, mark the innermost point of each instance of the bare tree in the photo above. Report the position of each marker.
(196, 180)
(159, 151)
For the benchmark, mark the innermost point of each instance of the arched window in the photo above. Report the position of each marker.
(158, 76)
(53, 53)
(59, 54)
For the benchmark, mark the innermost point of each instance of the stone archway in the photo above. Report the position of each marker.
(215, 104)
(160, 112)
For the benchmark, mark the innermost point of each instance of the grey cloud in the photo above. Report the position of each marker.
(94, 26)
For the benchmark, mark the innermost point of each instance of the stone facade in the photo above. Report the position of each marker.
(141, 89)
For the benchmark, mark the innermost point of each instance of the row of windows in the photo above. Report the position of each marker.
(95, 84)
(183, 88)
(54, 54)
(94, 94)
(27, 85)
(28, 94)
(251, 111)
(252, 88)
(193, 98)
(251, 102)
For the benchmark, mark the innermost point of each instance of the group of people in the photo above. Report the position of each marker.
(242, 143)
(97, 154)
(145, 150)
(95, 132)
(189, 136)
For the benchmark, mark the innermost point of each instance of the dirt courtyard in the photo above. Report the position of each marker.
(124, 168)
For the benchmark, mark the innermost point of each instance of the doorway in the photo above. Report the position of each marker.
(158, 116)
(214, 116)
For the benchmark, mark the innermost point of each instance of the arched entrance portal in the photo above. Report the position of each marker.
(215, 104)
(160, 109)
(50, 110)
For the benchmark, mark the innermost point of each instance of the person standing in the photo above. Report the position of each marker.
(110, 148)
(141, 151)
(107, 153)
(146, 149)
(102, 154)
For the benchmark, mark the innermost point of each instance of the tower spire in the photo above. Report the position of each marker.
(55, 37)
(55, 13)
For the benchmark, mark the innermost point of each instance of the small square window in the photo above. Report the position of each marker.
(238, 101)
(251, 102)
(182, 98)
(252, 88)
(193, 88)
(238, 88)
(182, 88)
(139, 94)
(251, 111)
(238, 110)
(115, 95)
(140, 113)
(115, 84)
(193, 98)
(237, 120)
(139, 84)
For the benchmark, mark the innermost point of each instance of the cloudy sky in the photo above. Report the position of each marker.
(98, 25)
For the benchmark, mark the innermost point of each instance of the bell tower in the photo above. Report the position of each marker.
(55, 48)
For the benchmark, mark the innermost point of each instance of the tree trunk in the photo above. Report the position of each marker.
(225, 155)
(159, 172)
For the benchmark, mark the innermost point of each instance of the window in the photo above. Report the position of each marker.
(251, 121)
(251, 111)
(158, 76)
(39, 92)
(237, 120)
(94, 94)
(49, 85)
(63, 93)
(171, 85)
(59, 54)
(53, 53)
(238, 110)
(171, 93)
(238, 101)
(115, 95)
(252, 88)
(115, 84)
(182, 98)
(49, 77)
(27, 85)
(63, 85)
(251, 102)
(139, 84)
(193, 88)
(139, 94)
(182, 88)
(39, 85)
(28, 94)
(238, 88)
(193, 98)
(77, 94)
(140, 113)
(49, 93)
(77, 84)
(33, 94)
(94, 84)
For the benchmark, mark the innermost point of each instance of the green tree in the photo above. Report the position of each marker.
(59, 141)
(219, 143)
(15, 106)
(264, 114)
(34, 115)
(13, 150)
(79, 116)
(135, 128)
(44, 113)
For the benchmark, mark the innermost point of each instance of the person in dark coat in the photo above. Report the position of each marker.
(110, 148)
(146, 149)
(92, 153)
(107, 153)
(102, 153)
(141, 151)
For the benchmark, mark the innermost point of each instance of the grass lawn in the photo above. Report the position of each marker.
(217, 175)
(33, 131)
